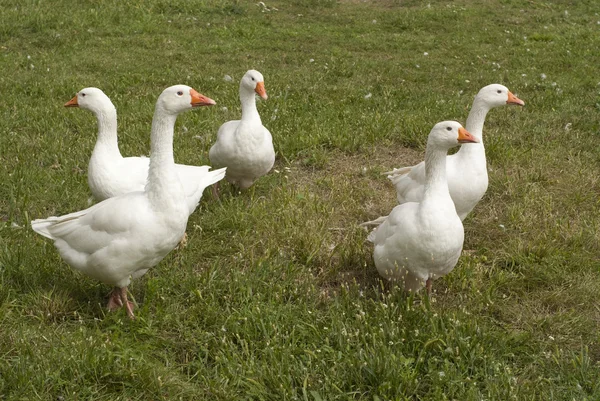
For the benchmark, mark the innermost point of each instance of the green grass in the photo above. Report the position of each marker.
(276, 296)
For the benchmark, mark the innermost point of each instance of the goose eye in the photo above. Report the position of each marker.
(83, 95)
(180, 93)
(499, 91)
(448, 128)
(253, 78)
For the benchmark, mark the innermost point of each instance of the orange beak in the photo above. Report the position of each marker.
(512, 99)
(465, 136)
(200, 100)
(72, 102)
(260, 89)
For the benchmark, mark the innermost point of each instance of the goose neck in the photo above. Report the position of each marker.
(107, 141)
(476, 118)
(474, 125)
(436, 182)
(248, 100)
(162, 179)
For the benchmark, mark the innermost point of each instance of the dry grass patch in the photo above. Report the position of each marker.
(356, 179)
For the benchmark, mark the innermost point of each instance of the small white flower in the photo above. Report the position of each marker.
(523, 75)
(224, 108)
(568, 126)
(312, 60)
(426, 54)
(374, 21)
(467, 81)
(28, 57)
(368, 95)
(418, 66)
(501, 226)
(543, 76)
(276, 171)
(227, 78)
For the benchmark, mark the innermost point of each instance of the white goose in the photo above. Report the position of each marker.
(122, 237)
(420, 241)
(109, 173)
(466, 193)
(245, 146)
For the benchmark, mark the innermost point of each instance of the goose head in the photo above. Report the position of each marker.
(178, 98)
(496, 95)
(447, 134)
(92, 99)
(253, 81)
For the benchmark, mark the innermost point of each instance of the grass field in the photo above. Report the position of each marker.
(276, 296)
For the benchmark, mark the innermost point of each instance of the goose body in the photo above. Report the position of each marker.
(122, 237)
(245, 146)
(110, 174)
(409, 182)
(421, 241)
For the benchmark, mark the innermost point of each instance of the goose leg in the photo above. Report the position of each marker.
(128, 304)
(215, 190)
(183, 241)
(114, 300)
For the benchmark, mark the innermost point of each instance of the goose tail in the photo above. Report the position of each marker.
(214, 176)
(377, 222)
(42, 226)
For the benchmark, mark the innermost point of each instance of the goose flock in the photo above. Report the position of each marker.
(144, 203)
